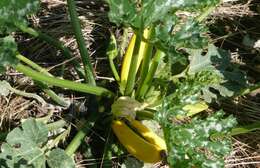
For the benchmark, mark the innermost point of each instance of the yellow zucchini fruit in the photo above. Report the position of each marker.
(136, 144)
(143, 48)
(127, 60)
(149, 135)
(129, 54)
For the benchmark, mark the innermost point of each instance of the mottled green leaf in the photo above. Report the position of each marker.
(142, 14)
(59, 159)
(14, 12)
(31, 132)
(23, 147)
(218, 61)
(189, 143)
(10, 159)
(123, 12)
(214, 59)
(186, 92)
(8, 49)
(190, 35)
(191, 146)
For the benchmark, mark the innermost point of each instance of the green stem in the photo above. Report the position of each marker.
(249, 89)
(149, 77)
(25, 94)
(239, 130)
(132, 71)
(76, 141)
(56, 125)
(144, 114)
(146, 62)
(59, 100)
(245, 129)
(64, 50)
(81, 42)
(112, 53)
(32, 64)
(85, 88)
(114, 71)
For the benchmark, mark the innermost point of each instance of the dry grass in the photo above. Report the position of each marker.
(233, 9)
(232, 23)
(13, 108)
(245, 155)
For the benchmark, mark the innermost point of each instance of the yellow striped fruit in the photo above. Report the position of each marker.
(127, 60)
(148, 134)
(144, 145)
(129, 54)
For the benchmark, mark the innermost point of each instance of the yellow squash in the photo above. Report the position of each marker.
(127, 60)
(149, 135)
(148, 147)
(129, 54)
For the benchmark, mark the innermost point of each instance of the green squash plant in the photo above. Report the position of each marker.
(169, 69)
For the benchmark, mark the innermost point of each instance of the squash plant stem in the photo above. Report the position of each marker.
(149, 77)
(56, 125)
(32, 64)
(114, 71)
(76, 142)
(85, 88)
(81, 43)
(59, 100)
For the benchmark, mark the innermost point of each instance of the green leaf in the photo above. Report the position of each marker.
(59, 159)
(187, 92)
(23, 146)
(190, 144)
(10, 159)
(142, 14)
(190, 35)
(14, 12)
(155, 10)
(122, 12)
(193, 4)
(8, 48)
(171, 33)
(171, 36)
(35, 133)
(217, 61)
(27, 142)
